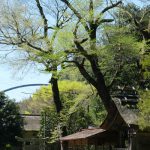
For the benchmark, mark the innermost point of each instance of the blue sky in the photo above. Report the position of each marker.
(9, 79)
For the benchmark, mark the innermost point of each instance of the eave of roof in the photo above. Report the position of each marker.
(130, 116)
(86, 133)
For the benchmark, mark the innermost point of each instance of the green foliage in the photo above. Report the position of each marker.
(145, 61)
(48, 122)
(144, 107)
(35, 105)
(81, 108)
(10, 121)
(137, 20)
(119, 56)
(73, 75)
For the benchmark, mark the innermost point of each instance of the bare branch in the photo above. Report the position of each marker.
(9, 53)
(8, 40)
(91, 11)
(43, 17)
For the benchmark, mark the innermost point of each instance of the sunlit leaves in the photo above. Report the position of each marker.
(144, 107)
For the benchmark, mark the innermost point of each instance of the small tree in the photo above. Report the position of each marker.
(10, 121)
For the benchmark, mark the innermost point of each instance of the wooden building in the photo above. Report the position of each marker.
(120, 132)
(31, 128)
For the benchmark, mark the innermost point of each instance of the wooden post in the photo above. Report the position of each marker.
(24, 143)
(44, 129)
(95, 146)
(110, 147)
(130, 143)
(131, 134)
(61, 145)
(64, 145)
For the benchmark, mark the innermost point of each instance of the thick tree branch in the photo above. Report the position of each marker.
(43, 17)
(33, 46)
(100, 83)
(75, 30)
(144, 14)
(78, 43)
(77, 14)
(105, 21)
(53, 40)
(73, 9)
(81, 49)
(110, 7)
(91, 11)
(98, 20)
(83, 71)
(55, 90)
(95, 67)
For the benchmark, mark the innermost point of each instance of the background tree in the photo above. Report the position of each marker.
(138, 22)
(10, 121)
(139, 25)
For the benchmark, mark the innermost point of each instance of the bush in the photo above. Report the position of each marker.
(10, 121)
